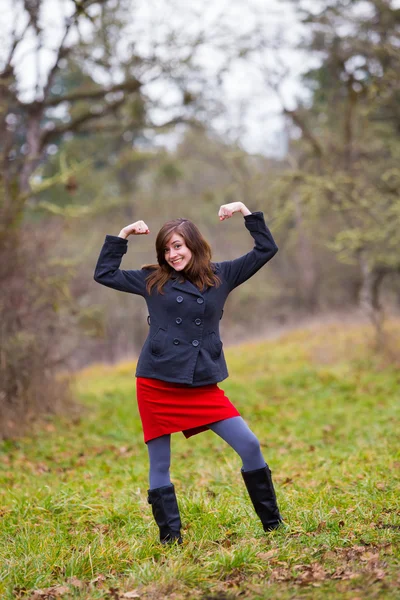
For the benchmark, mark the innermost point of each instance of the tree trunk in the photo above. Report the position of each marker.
(307, 278)
(370, 297)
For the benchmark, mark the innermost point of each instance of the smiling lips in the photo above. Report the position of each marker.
(177, 261)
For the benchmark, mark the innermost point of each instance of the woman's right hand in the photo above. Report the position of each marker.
(138, 228)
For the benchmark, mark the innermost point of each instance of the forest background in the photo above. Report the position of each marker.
(129, 121)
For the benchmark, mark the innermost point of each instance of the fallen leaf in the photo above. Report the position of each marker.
(99, 578)
(287, 481)
(327, 428)
(321, 526)
(267, 555)
(311, 573)
(42, 468)
(369, 556)
(74, 581)
(379, 574)
(52, 592)
(358, 548)
(280, 574)
(114, 593)
(61, 589)
(132, 594)
(344, 573)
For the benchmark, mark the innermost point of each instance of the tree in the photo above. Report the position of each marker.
(347, 154)
(103, 75)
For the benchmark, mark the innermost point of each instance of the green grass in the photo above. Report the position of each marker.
(75, 521)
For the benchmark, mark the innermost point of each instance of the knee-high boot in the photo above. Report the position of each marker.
(166, 513)
(262, 494)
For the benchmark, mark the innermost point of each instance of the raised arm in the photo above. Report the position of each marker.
(107, 271)
(241, 269)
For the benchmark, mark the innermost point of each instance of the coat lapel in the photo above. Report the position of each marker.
(186, 286)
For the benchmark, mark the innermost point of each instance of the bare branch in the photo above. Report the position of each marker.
(131, 86)
(293, 114)
(14, 45)
(61, 53)
(133, 125)
(351, 102)
(75, 124)
(175, 121)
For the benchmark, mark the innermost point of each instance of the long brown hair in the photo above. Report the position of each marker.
(200, 270)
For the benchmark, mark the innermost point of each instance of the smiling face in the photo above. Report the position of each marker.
(176, 253)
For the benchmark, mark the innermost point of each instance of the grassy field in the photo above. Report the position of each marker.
(75, 522)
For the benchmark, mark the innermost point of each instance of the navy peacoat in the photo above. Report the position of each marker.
(183, 344)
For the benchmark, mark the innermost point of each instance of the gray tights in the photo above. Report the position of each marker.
(234, 431)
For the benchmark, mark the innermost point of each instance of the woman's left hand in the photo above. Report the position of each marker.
(227, 210)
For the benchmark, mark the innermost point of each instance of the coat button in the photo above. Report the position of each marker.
(176, 341)
(179, 299)
(195, 343)
(178, 320)
(198, 321)
(200, 300)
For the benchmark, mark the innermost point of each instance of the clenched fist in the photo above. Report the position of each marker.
(227, 210)
(138, 228)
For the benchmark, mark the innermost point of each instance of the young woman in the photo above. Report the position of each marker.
(182, 359)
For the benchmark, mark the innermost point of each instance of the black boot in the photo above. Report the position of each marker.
(262, 494)
(166, 513)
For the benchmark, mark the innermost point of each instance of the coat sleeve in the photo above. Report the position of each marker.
(237, 271)
(107, 271)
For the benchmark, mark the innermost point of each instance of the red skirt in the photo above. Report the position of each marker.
(166, 407)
